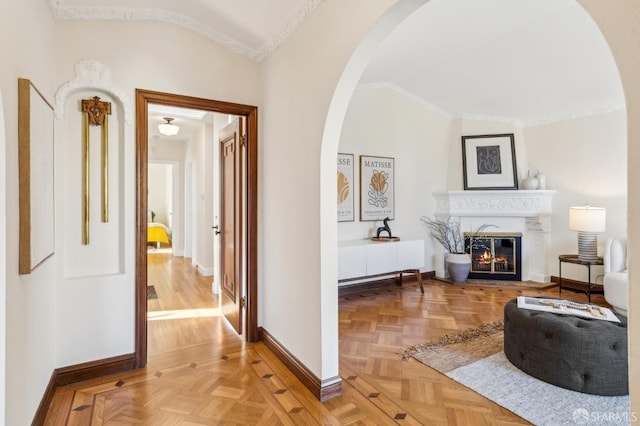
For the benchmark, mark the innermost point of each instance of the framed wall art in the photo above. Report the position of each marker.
(376, 188)
(489, 162)
(346, 188)
(35, 177)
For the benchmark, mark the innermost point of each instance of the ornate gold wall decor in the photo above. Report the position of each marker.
(96, 114)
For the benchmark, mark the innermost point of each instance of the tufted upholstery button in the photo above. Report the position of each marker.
(588, 356)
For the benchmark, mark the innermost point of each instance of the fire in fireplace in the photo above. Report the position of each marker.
(495, 256)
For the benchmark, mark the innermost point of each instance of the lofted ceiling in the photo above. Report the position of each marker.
(521, 61)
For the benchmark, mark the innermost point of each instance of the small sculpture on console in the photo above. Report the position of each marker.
(384, 228)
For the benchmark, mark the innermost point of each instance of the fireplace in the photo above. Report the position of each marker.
(515, 211)
(495, 256)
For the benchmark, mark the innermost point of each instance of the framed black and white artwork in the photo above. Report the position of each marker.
(489, 162)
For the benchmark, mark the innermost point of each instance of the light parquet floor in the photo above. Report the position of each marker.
(201, 373)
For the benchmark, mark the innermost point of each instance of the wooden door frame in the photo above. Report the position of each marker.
(143, 99)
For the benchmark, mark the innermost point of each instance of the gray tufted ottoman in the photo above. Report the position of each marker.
(583, 355)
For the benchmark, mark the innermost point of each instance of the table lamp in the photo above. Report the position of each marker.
(587, 221)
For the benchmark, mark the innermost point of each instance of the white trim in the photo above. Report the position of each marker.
(481, 117)
(62, 11)
(91, 74)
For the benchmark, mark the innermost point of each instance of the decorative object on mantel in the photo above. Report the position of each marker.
(447, 233)
(542, 180)
(96, 113)
(489, 162)
(530, 182)
(376, 187)
(386, 229)
(587, 221)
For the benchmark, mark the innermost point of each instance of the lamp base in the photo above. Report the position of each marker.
(587, 246)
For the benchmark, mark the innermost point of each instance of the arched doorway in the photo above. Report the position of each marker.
(331, 137)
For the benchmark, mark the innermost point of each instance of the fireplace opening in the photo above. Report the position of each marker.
(494, 256)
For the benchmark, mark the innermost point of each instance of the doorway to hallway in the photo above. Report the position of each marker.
(248, 237)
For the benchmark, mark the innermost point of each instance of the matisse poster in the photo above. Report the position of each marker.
(346, 188)
(376, 188)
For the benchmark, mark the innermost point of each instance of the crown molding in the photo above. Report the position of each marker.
(495, 118)
(482, 117)
(63, 12)
(575, 116)
(268, 47)
(408, 94)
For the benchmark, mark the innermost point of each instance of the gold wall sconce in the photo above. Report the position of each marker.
(96, 113)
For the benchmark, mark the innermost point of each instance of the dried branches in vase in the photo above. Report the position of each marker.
(447, 232)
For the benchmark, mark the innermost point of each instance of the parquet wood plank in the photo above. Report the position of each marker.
(200, 372)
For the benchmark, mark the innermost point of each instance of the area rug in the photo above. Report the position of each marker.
(475, 358)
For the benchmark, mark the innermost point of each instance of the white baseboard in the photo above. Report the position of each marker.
(539, 278)
(207, 272)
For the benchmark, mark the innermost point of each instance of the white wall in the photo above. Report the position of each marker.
(200, 154)
(299, 81)
(172, 153)
(28, 301)
(160, 184)
(384, 122)
(585, 161)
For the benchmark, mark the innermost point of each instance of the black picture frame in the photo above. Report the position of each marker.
(489, 162)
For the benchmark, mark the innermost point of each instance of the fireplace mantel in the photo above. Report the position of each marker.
(497, 203)
(525, 211)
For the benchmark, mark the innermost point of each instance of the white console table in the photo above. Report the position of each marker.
(359, 259)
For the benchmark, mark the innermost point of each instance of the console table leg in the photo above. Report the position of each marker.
(419, 278)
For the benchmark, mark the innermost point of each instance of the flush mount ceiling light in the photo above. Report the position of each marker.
(168, 128)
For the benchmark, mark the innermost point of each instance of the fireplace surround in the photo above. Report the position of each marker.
(494, 256)
(525, 212)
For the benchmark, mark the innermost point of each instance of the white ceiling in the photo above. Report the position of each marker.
(523, 61)
(190, 122)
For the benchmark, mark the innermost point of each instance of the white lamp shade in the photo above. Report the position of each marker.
(587, 219)
(168, 128)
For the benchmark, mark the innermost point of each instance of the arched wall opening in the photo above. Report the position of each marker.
(330, 148)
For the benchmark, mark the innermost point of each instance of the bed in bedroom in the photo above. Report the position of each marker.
(158, 233)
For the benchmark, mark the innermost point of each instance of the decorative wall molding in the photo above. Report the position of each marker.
(492, 118)
(62, 11)
(516, 203)
(603, 110)
(283, 33)
(91, 74)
